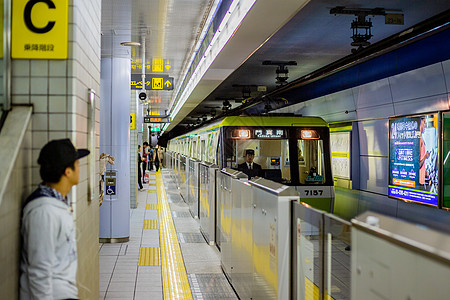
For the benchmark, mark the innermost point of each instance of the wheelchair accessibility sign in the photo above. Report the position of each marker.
(110, 183)
(110, 190)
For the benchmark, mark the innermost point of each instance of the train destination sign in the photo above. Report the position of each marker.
(269, 133)
(152, 82)
(413, 159)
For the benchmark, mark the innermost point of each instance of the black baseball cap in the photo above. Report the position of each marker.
(249, 152)
(60, 153)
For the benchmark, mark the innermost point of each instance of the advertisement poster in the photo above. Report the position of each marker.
(413, 159)
(340, 154)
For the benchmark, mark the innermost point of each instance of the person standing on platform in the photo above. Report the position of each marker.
(49, 252)
(161, 157)
(144, 159)
(150, 158)
(156, 158)
(140, 160)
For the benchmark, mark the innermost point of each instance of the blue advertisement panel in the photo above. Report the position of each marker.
(413, 159)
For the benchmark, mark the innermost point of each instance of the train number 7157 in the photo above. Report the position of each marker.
(314, 192)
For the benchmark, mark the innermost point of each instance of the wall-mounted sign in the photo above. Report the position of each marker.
(155, 119)
(340, 154)
(152, 82)
(132, 121)
(40, 29)
(413, 159)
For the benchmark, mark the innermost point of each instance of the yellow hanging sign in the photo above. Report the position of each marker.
(40, 29)
(132, 121)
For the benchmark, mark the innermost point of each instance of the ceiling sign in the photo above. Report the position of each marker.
(152, 82)
(157, 65)
(40, 29)
(152, 119)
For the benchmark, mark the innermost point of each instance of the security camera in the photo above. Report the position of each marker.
(142, 96)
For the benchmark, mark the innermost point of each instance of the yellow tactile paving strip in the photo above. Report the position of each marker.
(149, 256)
(151, 206)
(150, 224)
(175, 281)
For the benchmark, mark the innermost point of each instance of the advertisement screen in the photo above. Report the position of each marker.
(413, 159)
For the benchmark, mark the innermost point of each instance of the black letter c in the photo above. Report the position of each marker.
(27, 16)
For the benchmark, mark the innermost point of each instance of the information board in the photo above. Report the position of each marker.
(413, 159)
(340, 154)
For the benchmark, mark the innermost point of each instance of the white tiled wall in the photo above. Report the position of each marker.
(58, 90)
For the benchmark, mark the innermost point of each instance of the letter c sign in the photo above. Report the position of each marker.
(29, 22)
(40, 29)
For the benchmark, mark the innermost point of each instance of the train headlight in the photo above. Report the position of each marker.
(241, 134)
(309, 135)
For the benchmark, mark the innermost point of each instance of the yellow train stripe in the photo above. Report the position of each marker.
(149, 256)
(151, 206)
(175, 281)
(150, 224)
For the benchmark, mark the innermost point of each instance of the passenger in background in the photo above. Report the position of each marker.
(156, 157)
(139, 162)
(49, 253)
(150, 158)
(145, 159)
(249, 167)
(161, 156)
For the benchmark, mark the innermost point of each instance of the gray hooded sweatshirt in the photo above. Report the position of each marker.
(49, 253)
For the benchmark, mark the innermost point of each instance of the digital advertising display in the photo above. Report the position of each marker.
(413, 159)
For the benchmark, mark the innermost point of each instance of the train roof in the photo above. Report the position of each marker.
(260, 121)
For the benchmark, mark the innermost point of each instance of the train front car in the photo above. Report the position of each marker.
(292, 150)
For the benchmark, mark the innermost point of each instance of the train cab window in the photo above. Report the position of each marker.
(270, 159)
(311, 160)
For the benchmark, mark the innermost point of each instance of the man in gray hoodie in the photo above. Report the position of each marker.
(49, 253)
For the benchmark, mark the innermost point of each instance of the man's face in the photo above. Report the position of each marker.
(249, 158)
(73, 175)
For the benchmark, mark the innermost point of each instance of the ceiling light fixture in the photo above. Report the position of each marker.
(362, 28)
(282, 71)
(130, 44)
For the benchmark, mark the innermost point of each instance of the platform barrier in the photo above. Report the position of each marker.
(321, 254)
(254, 235)
(207, 199)
(192, 186)
(393, 259)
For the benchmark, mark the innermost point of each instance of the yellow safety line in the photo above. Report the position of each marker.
(149, 256)
(151, 191)
(151, 206)
(175, 281)
(150, 224)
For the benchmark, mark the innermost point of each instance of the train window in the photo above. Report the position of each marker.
(270, 159)
(311, 161)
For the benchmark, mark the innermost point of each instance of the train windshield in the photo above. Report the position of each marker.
(268, 158)
(311, 164)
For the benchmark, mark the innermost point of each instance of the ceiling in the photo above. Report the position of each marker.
(299, 30)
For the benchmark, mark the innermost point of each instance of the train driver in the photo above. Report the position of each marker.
(249, 167)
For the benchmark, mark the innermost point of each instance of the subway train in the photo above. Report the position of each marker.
(292, 150)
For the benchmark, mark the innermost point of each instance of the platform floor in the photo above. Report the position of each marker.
(146, 266)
